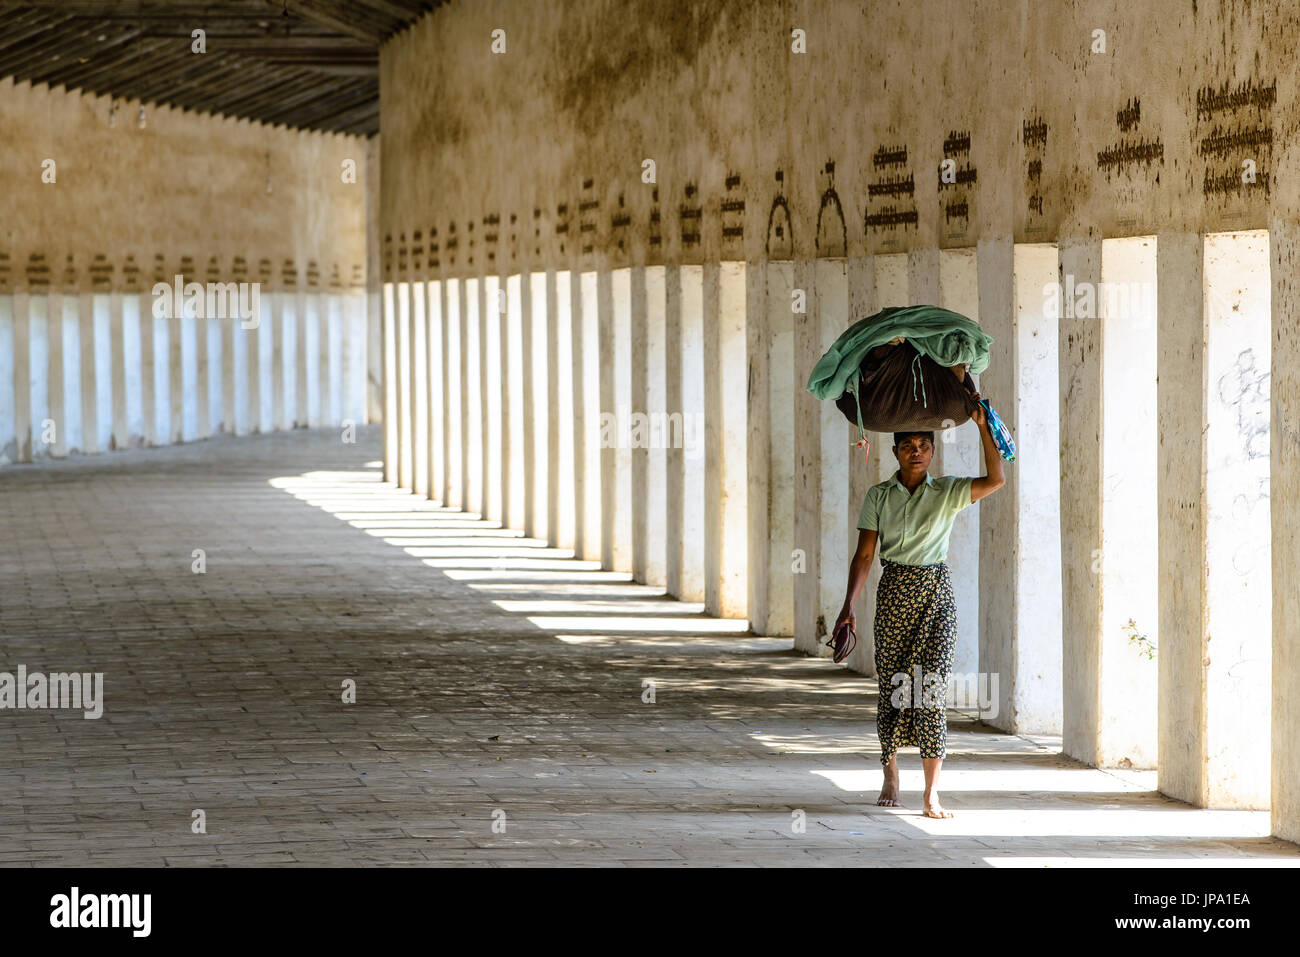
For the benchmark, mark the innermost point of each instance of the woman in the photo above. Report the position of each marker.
(910, 517)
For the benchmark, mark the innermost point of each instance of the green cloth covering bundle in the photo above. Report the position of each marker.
(947, 337)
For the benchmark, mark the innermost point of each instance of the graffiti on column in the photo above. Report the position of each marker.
(562, 223)
(491, 234)
(131, 274)
(1124, 155)
(38, 272)
(1241, 140)
(1138, 159)
(656, 228)
(895, 188)
(956, 182)
(690, 217)
(832, 236)
(619, 222)
(733, 218)
(588, 205)
(1033, 134)
(101, 273)
(417, 252)
(780, 238)
(1245, 389)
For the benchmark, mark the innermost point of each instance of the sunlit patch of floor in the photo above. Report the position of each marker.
(465, 547)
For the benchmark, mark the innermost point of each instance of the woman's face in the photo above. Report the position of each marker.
(914, 453)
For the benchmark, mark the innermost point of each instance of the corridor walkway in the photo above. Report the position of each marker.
(512, 705)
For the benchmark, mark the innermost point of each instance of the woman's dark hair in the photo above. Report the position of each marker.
(899, 436)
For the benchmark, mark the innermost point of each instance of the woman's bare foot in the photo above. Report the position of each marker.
(889, 793)
(932, 807)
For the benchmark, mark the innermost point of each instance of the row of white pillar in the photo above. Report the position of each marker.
(89, 372)
(494, 394)
(655, 420)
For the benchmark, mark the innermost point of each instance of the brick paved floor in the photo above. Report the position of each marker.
(493, 677)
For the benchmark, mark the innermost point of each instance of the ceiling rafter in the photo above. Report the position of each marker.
(309, 64)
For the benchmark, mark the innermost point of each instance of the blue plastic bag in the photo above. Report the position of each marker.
(1002, 439)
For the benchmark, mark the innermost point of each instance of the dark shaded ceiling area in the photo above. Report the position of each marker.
(309, 64)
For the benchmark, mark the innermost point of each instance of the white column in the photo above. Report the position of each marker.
(772, 525)
(281, 317)
(78, 362)
(41, 330)
(264, 368)
(56, 438)
(831, 304)
(615, 385)
(961, 453)
(138, 325)
(185, 405)
(515, 433)
(1238, 586)
(641, 439)
(392, 440)
(419, 379)
(562, 517)
(692, 436)
(491, 388)
(234, 390)
(336, 386)
(8, 381)
(1284, 491)
(538, 358)
(298, 359)
(24, 371)
(166, 372)
(198, 399)
(123, 376)
(249, 368)
(436, 365)
(586, 408)
(314, 352)
(1020, 560)
(1082, 501)
(726, 393)
(405, 410)
(653, 568)
(471, 377)
(453, 359)
(96, 379)
(875, 281)
(237, 390)
(356, 335)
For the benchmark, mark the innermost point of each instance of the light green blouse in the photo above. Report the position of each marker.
(913, 527)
